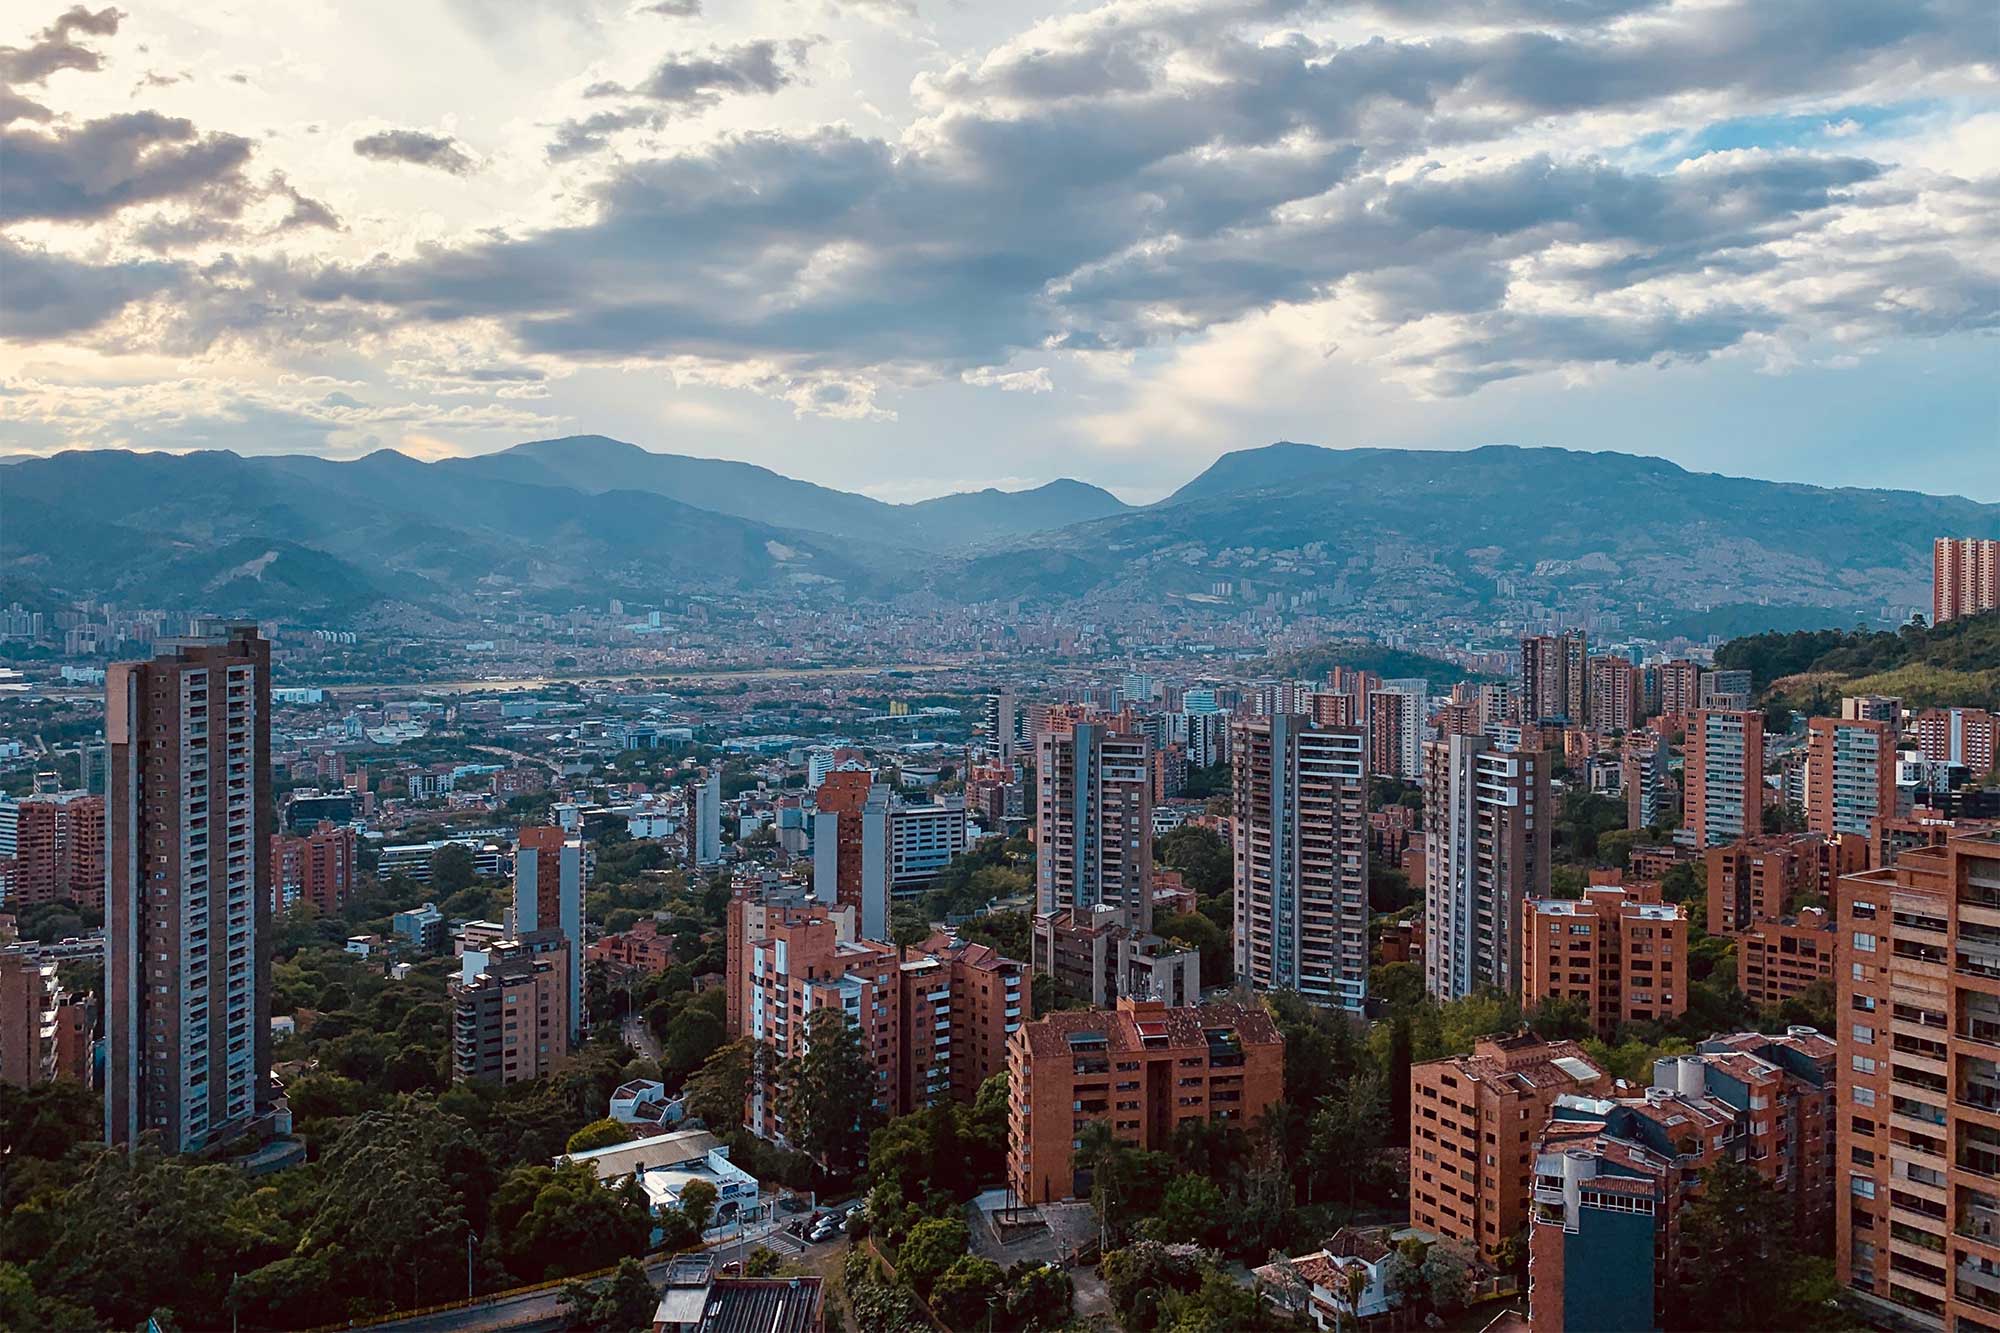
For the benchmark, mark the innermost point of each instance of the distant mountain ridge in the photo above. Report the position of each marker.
(1387, 537)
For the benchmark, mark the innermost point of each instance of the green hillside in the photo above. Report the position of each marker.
(1364, 655)
(1955, 664)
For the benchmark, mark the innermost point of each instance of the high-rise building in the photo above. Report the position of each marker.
(29, 998)
(1680, 688)
(1144, 1069)
(1643, 770)
(707, 834)
(1850, 776)
(188, 908)
(1965, 577)
(1620, 952)
(548, 896)
(1957, 736)
(58, 846)
(318, 868)
(851, 856)
(1555, 682)
(1473, 1122)
(1917, 1231)
(510, 1012)
(1396, 716)
(1761, 878)
(754, 906)
(1724, 775)
(1614, 694)
(1487, 830)
(1300, 834)
(1873, 708)
(1094, 822)
(1000, 721)
(1725, 689)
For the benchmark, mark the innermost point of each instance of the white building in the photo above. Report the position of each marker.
(666, 1164)
(1336, 1287)
(922, 841)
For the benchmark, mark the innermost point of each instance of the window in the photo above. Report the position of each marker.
(1864, 1096)
(1863, 1065)
(1864, 1035)
(1864, 943)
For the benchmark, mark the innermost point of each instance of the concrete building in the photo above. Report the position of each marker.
(1473, 1120)
(1917, 1230)
(1142, 1068)
(1487, 818)
(1680, 688)
(188, 909)
(664, 1165)
(318, 868)
(1094, 822)
(1300, 848)
(1965, 577)
(1850, 775)
(1726, 689)
(923, 840)
(1396, 717)
(1096, 957)
(707, 840)
(1643, 773)
(422, 928)
(1620, 952)
(1724, 775)
(510, 1019)
(1957, 736)
(642, 950)
(851, 865)
(755, 906)
(548, 896)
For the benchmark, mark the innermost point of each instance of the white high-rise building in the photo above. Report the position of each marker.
(708, 820)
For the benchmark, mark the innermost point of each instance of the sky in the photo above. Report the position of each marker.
(914, 246)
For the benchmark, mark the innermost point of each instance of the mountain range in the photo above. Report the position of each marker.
(1401, 533)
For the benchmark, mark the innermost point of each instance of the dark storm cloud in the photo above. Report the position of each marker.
(418, 148)
(91, 171)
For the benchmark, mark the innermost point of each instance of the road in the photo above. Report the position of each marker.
(541, 1311)
(640, 1037)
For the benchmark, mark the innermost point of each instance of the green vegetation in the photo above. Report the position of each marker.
(1364, 655)
(1957, 663)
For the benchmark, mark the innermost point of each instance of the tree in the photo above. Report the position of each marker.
(1191, 1209)
(966, 1291)
(698, 1204)
(1448, 1275)
(1753, 1273)
(452, 869)
(553, 1221)
(623, 1302)
(828, 1092)
(1039, 1297)
(1200, 855)
(1348, 1133)
(932, 1247)
(716, 1092)
(693, 1036)
(598, 1134)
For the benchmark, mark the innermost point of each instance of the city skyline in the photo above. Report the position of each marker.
(1110, 244)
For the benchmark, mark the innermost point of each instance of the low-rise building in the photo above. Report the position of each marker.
(1143, 1069)
(642, 950)
(666, 1164)
(695, 1299)
(1092, 954)
(1473, 1123)
(422, 927)
(1342, 1285)
(1619, 952)
(510, 1011)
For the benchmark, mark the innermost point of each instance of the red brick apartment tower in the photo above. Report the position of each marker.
(28, 1017)
(1724, 775)
(1917, 1230)
(1620, 952)
(1957, 736)
(187, 922)
(1965, 577)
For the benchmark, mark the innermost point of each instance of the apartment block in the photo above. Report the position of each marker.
(960, 1003)
(1724, 775)
(1144, 1069)
(755, 906)
(1094, 821)
(1096, 957)
(1474, 1120)
(1957, 736)
(58, 849)
(1918, 1220)
(1850, 775)
(1643, 772)
(510, 1020)
(318, 868)
(29, 999)
(1300, 847)
(1965, 577)
(548, 896)
(1620, 952)
(1679, 687)
(923, 839)
(188, 825)
(1555, 681)
(1726, 688)
(1487, 835)
(1615, 703)
(1396, 718)
(1612, 1175)
(1777, 959)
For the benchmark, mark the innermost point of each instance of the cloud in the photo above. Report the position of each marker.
(674, 9)
(50, 296)
(418, 148)
(92, 171)
(695, 80)
(56, 48)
